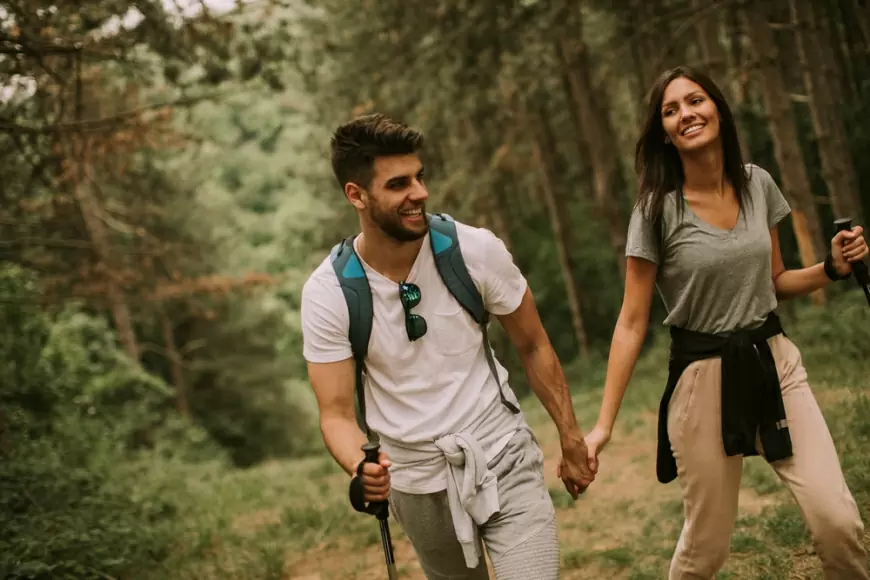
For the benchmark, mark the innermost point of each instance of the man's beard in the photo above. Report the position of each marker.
(391, 224)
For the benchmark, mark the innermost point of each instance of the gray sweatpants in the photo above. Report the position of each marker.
(521, 539)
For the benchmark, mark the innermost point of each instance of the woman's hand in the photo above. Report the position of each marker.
(596, 440)
(848, 247)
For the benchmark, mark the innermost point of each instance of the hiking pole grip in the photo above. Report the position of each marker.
(372, 450)
(859, 268)
(372, 453)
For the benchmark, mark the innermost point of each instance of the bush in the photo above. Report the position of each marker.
(840, 330)
(85, 427)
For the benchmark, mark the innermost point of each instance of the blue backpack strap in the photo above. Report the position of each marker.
(358, 296)
(451, 267)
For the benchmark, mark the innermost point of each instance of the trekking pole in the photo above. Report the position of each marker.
(858, 268)
(382, 513)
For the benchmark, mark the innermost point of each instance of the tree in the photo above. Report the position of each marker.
(786, 143)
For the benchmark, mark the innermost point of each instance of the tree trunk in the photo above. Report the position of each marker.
(644, 41)
(716, 60)
(491, 213)
(856, 42)
(862, 14)
(837, 39)
(786, 144)
(500, 219)
(711, 49)
(175, 364)
(738, 57)
(819, 73)
(630, 23)
(544, 154)
(5, 435)
(649, 41)
(598, 139)
(89, 207)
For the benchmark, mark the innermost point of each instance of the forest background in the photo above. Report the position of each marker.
(165, 191)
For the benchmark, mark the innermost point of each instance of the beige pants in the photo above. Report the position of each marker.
(710, 480)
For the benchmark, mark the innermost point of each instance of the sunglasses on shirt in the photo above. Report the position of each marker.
(415, 325)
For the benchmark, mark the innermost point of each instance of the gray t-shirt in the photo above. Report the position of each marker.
(710, 279)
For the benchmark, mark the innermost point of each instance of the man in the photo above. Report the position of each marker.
(430, 394)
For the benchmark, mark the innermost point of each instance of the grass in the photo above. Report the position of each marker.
(289, 520)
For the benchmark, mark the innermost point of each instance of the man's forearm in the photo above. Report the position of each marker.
(547, 380)
(344, 440)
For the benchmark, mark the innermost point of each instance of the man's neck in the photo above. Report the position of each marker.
(387, 256)
(703, 172)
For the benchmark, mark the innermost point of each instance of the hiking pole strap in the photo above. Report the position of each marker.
(487, 349)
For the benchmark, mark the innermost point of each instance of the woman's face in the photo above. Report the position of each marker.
(689, 116)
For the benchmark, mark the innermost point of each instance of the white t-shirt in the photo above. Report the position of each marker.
(440, 384)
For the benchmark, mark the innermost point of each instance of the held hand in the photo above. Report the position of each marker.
(596, 440)
(847, 247)
(574, 469)
(376, 479)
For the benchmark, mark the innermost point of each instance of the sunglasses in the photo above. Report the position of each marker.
(415, 325)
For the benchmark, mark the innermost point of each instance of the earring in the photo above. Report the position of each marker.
(667, 140)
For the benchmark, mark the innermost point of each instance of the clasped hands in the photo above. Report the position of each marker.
(578, 465)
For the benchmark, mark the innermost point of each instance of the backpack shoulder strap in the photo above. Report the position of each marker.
(451, 267)
(358, 296)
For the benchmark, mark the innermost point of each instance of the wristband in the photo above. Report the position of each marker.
(831, 272)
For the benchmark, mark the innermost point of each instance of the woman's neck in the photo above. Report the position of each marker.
(704, 171)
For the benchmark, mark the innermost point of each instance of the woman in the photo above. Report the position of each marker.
(704, 233)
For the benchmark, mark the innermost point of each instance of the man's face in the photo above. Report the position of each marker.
(396, 199)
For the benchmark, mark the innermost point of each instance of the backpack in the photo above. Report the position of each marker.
(357, 294)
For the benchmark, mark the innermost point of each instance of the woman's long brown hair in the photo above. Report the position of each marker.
(658, 164)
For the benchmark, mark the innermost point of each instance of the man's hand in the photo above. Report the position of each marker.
(376, 479)
(596, 440)
(574, 467)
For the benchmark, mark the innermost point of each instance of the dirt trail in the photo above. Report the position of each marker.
(611, 515)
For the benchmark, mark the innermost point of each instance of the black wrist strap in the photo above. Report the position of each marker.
(831, 272)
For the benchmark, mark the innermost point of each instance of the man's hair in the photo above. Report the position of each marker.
(356, 145)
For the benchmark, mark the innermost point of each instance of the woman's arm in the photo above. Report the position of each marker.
(628, 337)
(846, 247)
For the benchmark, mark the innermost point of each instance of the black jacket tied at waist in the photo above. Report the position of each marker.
(751, 396)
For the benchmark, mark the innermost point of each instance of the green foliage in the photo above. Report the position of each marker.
(65, 516)
(102, 477)
(242, 387)
(81, 425)
(840, 329)
(264, 183)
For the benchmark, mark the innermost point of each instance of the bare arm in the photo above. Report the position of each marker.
(845, 247)
(542, 367)
(628, 337)
(547, 380)
(333, 385)
(794, 283)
